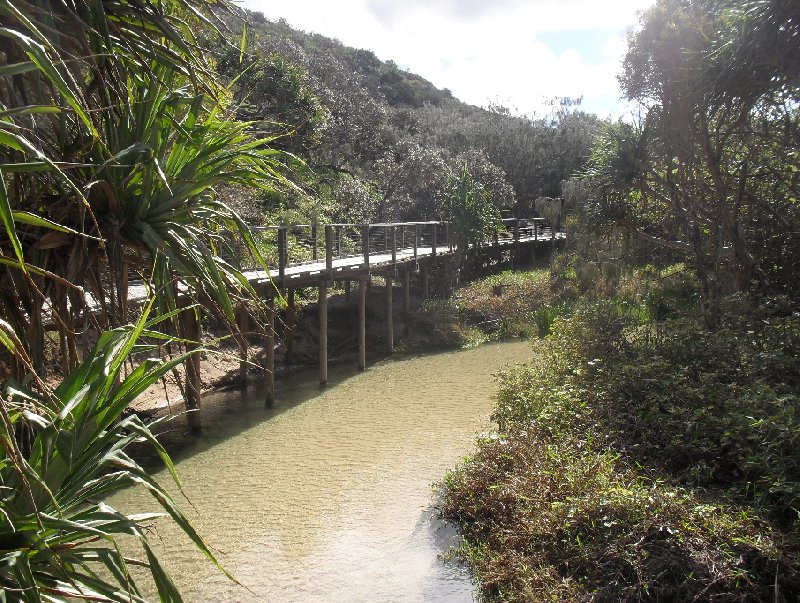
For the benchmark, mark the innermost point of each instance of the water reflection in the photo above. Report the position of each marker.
(326, 497)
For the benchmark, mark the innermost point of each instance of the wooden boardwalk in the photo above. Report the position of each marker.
(336, 265)
(354, 253)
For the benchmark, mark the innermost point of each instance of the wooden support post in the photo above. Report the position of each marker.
(407, 299)
(123, 292)
(269, 354)
(291, 320)
(362, 323)
(347, 289)
(515, 259)
(389, 319)
(323, 332)
(536, 231)
(416, 241)
(433, 241)
(365, 244)
(447, 236)
(386, 238)
(338, 241)
(283, 255)
(423, 275)
(403, 236)
(192, 331)
(244, 329)
(329, 252)
(314, 244)
(394, 249)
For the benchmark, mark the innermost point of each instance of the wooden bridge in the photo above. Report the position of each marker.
(309, 255)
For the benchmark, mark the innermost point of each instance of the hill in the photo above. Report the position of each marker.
(383, 143)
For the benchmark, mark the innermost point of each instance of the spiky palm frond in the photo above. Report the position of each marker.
(56, 534)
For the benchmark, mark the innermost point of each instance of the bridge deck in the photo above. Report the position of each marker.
(305, 273)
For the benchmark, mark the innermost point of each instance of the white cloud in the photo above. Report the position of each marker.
(480, 50)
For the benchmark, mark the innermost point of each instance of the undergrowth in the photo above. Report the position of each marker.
(642, 457)
(508, 304)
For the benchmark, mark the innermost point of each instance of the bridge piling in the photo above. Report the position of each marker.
(323, 332)
(407, 299)
(389, 320)
(244, 329)
(329, 253)
(269, 353)
(194, 335)
(362, 323)
(291, 319)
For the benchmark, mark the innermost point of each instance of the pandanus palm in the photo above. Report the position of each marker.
(58, 540)
(111, 140)
(112, 136)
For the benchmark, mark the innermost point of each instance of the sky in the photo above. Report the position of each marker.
(516, 53)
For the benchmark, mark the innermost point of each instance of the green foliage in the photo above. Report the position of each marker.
(625, 395)
(447, 327)
(708, 172)
(276, 94)
(113, 139)
(557, 518)
(509, 304)
(63, 453)
(473, 216)
(124, 179)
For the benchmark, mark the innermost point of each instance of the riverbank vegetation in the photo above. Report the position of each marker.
(112, 141)
(650, 449)
(641, 456)
(506, 304)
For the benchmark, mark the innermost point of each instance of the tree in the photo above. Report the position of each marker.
(113, 137)
(705, 173)
(276, 94)
(412, 182)
(473, 216)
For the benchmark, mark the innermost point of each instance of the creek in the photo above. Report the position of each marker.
(328, 495)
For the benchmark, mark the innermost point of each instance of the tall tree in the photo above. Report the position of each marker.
(706, 171)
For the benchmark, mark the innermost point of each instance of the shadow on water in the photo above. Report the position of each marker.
(231, 411)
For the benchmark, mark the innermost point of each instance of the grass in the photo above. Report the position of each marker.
(509, 304)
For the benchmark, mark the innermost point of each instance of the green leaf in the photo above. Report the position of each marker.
(243, 43)
(17, 68)
(7, 216)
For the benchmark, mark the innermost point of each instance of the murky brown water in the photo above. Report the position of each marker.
(327, 496)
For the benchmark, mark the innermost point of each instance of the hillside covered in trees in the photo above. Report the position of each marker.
(379, 143)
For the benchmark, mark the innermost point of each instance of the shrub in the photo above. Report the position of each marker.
(572, 502)
(560, 519)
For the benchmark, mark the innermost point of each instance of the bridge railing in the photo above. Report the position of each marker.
(287, 246)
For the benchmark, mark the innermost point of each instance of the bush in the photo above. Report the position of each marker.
(553, 518)
(572, 502)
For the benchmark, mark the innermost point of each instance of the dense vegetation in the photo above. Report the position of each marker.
(379, 143)
(129, 147)
(113, 138)
(650, 449)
